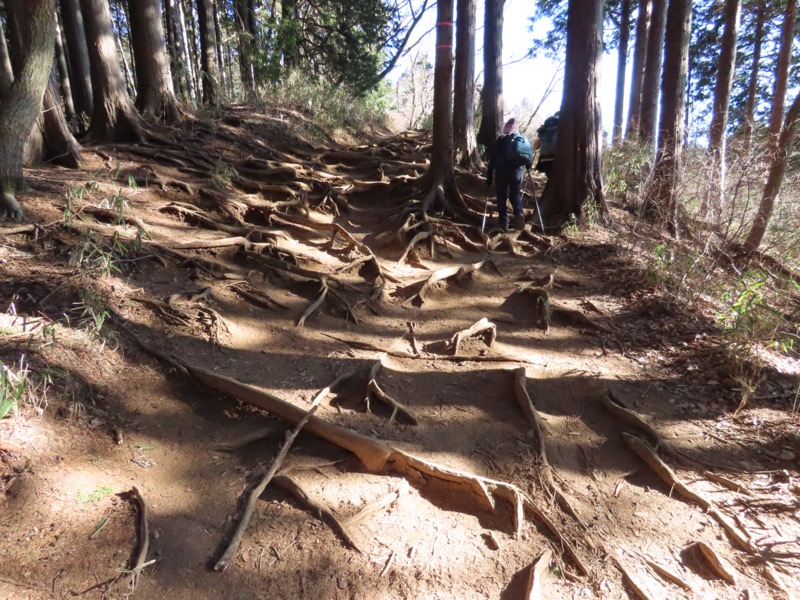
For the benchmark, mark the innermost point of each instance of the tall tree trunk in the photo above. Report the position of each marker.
(59, 146)
(622, 64)
(652, 73)
(78, 53)
(440, 172)
(775, 177)
(63, 75)
(6, 73)
(752, 86)
(130, 80)
(193, 38)
(183, 41)
(662, 201)
(218, 47)
(115, 118)
(577, 177)
(176, 68)
(781, 78)
(34, 24)
(208, 52)
(244, 45)
(717, 133)
(465, 146)
(492, 93)
(155, 97)
(637, 72)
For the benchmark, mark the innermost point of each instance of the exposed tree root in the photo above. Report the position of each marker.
(314, 305)
(367, 346)
(377, 455)
(416, 291)
(318, 508)
(484, 328)
(144, 540)
(546, 471)
(538, 572)
(577, 317)
(257, 297)
(633, 581)
(649, 456)
(372, 508)
(632, 419)
(225, 560)
(717, 564)
(668, 575)
(375, 389)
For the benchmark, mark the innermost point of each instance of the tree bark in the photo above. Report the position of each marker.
(722, 95)
(218, 46)
(59, 146)
(63, 75)
(652, 73)
(34, 25)
(78, 54)
(155, 97)
(492, 93)
(781, 78)
(465, 146)
(622, 64)
(130, 79)
(577, 176)
(775, 177)
(244, 45)
(183, 42)
(662, 200)
(637, 73)
(6, 73)
(115, 118)
(752, 86)
(440, 172)
(208, 46)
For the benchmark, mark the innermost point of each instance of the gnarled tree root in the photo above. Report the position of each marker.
(649, 456)
(546, 472)
(375, 389)
(416, 291)
(377, 455)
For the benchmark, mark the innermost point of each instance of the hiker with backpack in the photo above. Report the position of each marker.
(511, 155)
(545, 143)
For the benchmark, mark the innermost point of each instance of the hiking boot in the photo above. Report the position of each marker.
(502, 226)
(519, 222)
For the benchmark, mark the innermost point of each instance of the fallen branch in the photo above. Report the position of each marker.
(728, 483)
(258, 297)
(233, 545)
(649, 456)
(538, 571)
(322, 511)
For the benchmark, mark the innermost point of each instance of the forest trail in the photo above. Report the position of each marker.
(169, 256)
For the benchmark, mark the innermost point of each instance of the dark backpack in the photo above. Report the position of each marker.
(519, 152)
(548, 135)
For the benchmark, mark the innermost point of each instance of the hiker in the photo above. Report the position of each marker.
(545, 143)
(511, 154)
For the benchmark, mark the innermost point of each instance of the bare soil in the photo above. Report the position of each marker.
(117, 256)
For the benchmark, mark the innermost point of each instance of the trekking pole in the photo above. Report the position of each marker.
(485, 209)
(536, 202)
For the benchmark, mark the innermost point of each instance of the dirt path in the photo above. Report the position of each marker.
(217, 268)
